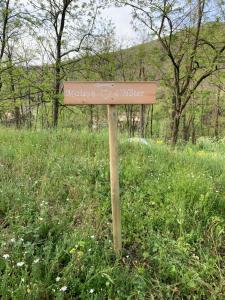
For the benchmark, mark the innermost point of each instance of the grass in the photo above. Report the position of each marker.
(55, 218)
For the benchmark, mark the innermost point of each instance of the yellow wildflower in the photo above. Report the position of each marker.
(72, 251)
(159, 142)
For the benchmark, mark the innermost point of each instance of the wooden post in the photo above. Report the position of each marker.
(114, 178)
(111, 93)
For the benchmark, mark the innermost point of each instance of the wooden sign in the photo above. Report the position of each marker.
(109, 92)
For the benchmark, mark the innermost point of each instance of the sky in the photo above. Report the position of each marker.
(121, 17)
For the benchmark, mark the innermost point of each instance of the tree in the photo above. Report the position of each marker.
(4, 6)
(63, 27)
(192, 49)
(10, 25)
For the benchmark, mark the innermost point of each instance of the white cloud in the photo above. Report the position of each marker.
(121, 17)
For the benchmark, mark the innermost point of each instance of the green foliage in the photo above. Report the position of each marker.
(55, 218)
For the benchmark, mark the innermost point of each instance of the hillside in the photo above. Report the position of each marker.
(55, 218)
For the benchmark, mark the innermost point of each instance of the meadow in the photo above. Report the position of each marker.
(55, 218)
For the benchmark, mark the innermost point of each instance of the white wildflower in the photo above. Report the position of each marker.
(63, 289)
(20, 264)
(36, 260)
(91, 291)
(13, 240)
(6, 256)
(57, 279)
(92, 237)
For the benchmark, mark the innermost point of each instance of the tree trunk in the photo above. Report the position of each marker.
(30, 111)
(129, 114)
(4, 35)
(186, 129)
(57, 85)
(55, 112)
(142, 121)
(42, 115)
(175, 116)
(151, 122)
(17, 116)
(130, 122)
(36, 121)
(16, 107)
(202, 118)
(91, 121)
(56, 104)
(193, 135)
(217, 110)
(176, 125)
(142, 107)
(97, 117)
(173, 113)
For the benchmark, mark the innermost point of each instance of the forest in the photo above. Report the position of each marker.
(56, 233)
(44, 43)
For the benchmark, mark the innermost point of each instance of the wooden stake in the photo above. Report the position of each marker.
(114, 178)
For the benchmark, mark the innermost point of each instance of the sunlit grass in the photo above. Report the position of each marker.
(55, 218)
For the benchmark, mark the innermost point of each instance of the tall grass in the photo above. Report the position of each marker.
(55, 218)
